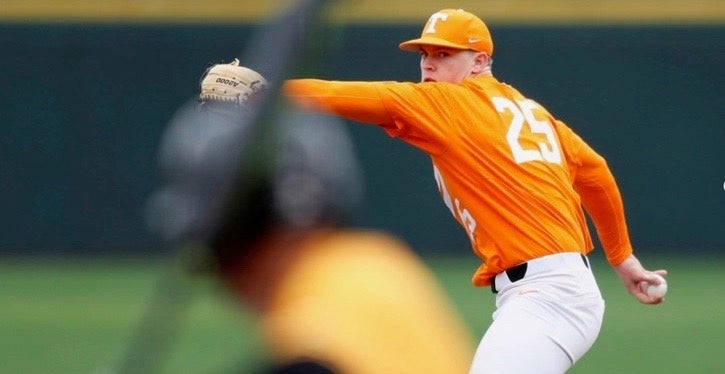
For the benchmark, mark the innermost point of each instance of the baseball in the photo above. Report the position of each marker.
(655, 290)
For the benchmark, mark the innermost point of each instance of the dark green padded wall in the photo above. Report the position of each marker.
(83, 108)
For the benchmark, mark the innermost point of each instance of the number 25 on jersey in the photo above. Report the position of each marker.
(522, 113)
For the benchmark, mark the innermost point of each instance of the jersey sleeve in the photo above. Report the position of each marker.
(594, 182)
(409, 111)
(358, 101)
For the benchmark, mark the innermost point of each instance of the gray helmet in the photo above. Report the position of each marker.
(222, 179)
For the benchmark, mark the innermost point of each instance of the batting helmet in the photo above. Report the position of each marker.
(218, 184)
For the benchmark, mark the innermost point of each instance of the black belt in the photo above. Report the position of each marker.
(518, 272)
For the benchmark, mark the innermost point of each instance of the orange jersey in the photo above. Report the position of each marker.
(511, 174)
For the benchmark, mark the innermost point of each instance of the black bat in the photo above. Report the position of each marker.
(272, 51)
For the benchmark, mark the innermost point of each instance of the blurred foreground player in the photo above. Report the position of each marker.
(329, 299)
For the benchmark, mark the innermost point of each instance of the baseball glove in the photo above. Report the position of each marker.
(230, 83)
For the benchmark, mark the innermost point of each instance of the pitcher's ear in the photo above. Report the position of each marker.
(481, 62)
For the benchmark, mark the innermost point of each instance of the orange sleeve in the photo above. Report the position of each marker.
(600, 196)
(358, 101)
(403, 109)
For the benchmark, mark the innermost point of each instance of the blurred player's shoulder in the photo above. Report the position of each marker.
(359, 242)
(368, 292)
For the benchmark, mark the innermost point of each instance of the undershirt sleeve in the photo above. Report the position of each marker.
(600, 195)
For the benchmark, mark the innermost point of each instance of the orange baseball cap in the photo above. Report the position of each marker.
(453, 28)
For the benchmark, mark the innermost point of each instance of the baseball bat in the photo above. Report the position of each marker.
(272, 51)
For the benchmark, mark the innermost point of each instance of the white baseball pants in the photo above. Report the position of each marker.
(545, 321)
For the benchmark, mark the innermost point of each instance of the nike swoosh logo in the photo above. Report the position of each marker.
(473, 40)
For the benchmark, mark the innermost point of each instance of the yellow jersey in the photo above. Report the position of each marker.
(362, 302)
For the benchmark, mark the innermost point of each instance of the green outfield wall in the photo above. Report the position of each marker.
(84, 105)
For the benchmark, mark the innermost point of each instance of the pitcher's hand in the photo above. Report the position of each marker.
(633, 274)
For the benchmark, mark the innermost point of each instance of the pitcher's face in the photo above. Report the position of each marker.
(440, 64)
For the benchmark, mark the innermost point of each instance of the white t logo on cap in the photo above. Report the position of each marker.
(431, 29)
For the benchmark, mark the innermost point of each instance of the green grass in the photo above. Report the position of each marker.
(73, 316)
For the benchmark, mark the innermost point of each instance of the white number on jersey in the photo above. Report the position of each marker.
(522, 112)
